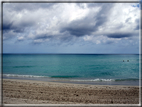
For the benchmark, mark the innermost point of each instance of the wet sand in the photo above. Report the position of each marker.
(39, 92)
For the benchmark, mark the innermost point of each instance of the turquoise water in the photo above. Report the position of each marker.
(82, 68)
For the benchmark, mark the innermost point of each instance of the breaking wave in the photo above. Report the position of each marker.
(27, 76)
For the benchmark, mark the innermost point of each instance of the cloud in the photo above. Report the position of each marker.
(18, 7)
(78, 29)
(137, 24)
(69, 22)
(7, 26)
(119, 35)
(21, 38)
(93, 20)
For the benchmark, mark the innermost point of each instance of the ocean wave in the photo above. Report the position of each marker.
(91, 80)
(105, 80)
(27, 76)
(70, 78)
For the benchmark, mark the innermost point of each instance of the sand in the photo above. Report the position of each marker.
(38, 92)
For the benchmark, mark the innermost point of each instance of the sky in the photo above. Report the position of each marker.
(106, 28)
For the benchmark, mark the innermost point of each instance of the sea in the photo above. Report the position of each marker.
(94, 69)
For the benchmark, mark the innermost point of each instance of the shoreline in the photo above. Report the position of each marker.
(40, 92)
(80, 81)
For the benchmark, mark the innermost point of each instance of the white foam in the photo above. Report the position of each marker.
(34, 76)
(95, 80)
(28, 76)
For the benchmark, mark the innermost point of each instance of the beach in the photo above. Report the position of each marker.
(38, 92)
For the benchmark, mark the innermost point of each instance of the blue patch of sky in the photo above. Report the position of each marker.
(136, 5)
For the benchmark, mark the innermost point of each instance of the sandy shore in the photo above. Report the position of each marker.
(38, 92)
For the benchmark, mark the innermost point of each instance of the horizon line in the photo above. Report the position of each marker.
(79, 53)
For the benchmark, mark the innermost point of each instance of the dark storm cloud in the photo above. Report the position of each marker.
(13, 27)
(90, 23)
(103, 15)
(16, 27)
(78, 29)
(119, 35)
(7, 26)
(10, 30)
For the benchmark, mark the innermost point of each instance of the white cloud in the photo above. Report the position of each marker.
(20, 38)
